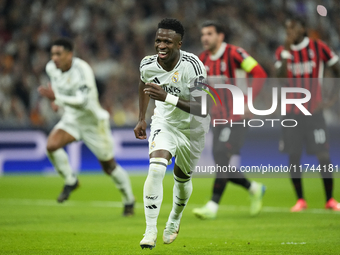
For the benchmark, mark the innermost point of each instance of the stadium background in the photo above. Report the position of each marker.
(113, 36)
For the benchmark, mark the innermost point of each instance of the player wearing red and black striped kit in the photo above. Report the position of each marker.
(224, 63)
(302, 60)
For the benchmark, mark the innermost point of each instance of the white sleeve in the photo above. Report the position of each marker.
(195, 70)
(49, 68)
(78, 99)
(278, 64)
(145, 62)
(197, 76)
(333, 60)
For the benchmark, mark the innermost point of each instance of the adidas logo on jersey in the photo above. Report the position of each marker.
(156, 81)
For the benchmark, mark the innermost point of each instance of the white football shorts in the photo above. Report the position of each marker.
(187, 149)
(96, 134)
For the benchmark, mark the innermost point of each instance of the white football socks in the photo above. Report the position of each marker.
(153, 191)
(213, 206)
(122, 181)
(254, 186)
(61, 164)
(181, 193)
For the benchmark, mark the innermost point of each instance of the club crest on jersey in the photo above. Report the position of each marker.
(175, 77)
(311, 53)
(153, 144)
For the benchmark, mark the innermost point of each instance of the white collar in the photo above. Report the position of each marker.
(219, 53)
(301, 45)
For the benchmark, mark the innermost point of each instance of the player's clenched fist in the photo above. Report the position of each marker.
(140, 130)
(155, 91)
(46, 92)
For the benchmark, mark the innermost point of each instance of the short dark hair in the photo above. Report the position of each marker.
(172, 24)
(65, 42)
(301, 21)
(214, 23)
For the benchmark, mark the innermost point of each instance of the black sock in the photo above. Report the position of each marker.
(218, 189)
(222, 178)
(327, 178)
(328, 185)
(298, 187)
(294, 161)
(241, 181)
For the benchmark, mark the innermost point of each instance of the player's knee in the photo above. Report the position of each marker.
(51, 146)
(157, 168)
(108, 166)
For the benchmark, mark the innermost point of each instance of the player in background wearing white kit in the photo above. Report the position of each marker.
(73, 88)
(167, 78)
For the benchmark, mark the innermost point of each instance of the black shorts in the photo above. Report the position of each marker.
(310, 131)
(228, 140)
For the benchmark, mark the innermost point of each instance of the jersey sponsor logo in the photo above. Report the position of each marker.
(175, 77)
(301, 68)
(171, 90)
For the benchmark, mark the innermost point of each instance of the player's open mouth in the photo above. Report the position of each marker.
(162, 54)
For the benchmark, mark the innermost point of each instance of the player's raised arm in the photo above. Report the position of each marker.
(140, 129)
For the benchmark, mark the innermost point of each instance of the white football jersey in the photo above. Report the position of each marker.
(76, 91)
(176, 82)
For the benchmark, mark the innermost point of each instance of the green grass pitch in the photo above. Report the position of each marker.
(31, 221)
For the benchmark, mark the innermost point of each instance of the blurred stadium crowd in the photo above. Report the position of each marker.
(114, 35)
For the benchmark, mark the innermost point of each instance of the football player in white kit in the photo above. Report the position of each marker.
(167, 77)
(73, 88)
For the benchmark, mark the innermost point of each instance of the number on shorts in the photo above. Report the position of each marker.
(155, 133)
(319, 136)
(224, 135)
